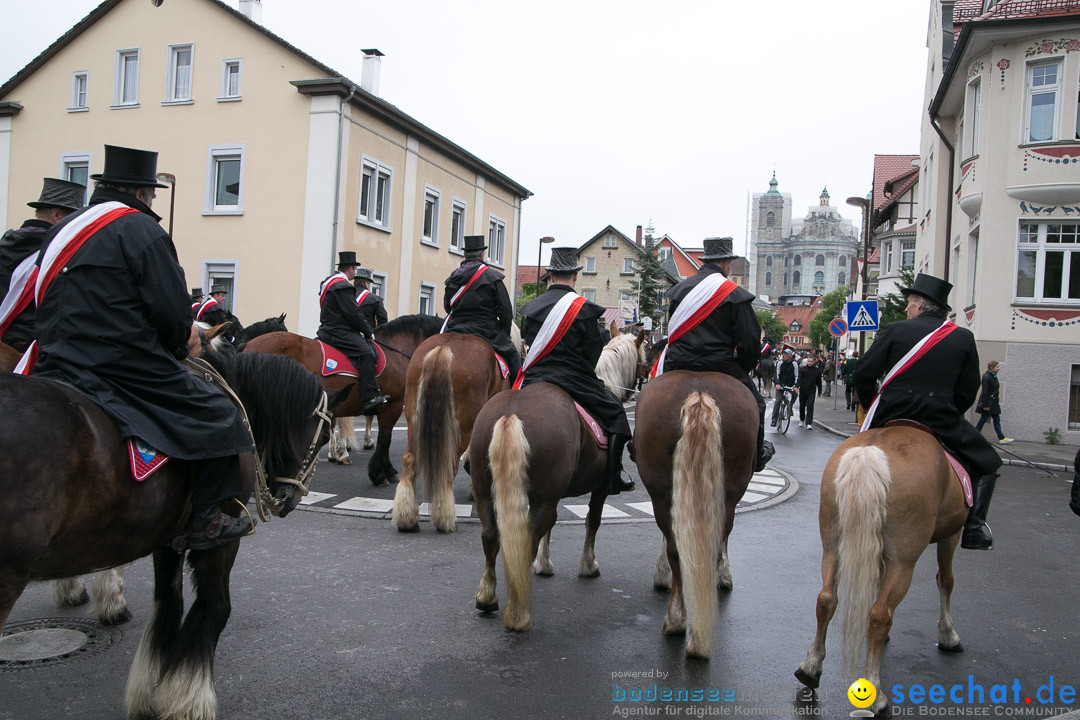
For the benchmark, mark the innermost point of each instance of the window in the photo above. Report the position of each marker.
(795, 326)
(178, 80)
(230, 79)
(496, 239)
(796, 277)
(785, 279)
(886, 258)
(430, 233)
(611, 242)
(841, 278)
(1043, 89)
(427, 299)
(819, 260)
(786, 261)
(973, 265)
(1074, 399)
(589, 295)
(375, 183)
(819, 278)
(798, 260)
(126, 81)
(221, 273)
(627, 266)
(457, 225)
(378, 283)
(770, 219)
(1048, 262)
(768, 261)
(590, 265)
(768, 278)
(971, 121)
(224, 180)
(76, 168)
(842, 262)
(79, 81)
(907, 255)
(664, 253)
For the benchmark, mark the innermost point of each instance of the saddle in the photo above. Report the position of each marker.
(598, 434)
(961, 473)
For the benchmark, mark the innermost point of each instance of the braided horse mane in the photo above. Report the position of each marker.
(618, 365)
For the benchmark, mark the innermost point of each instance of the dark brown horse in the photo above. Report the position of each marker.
(886, 495)
(9, 358)
(450, 377)
(695, 442)
(76, 509)
(399, 338)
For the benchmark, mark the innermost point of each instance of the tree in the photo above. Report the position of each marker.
(774, 328)
(831, 304)
(650, 277)
(894, 307)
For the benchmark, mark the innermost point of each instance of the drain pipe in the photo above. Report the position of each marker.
(949, 205)
(337, 175)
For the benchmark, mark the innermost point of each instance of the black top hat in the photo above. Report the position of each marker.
(125, 166)
(362, 274)
(718, 248)
(196, 293)
(930, 287)
(218, 289)
(563, 260)
(475, 242)
(347, 258)
(62, 194)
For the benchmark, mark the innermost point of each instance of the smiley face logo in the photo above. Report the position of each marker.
(862, 693)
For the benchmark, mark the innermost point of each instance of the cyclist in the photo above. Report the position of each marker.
(787, 379)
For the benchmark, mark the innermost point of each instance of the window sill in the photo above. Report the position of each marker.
(429, 243)
(456, 251)
(207, 213)
(494, 264)
(588, 272)
(127, 106)
(1048, 143)
(234, 98)
(78, 109)
(627, 274)
(1047, 305)
(373, 226)
(188, 101)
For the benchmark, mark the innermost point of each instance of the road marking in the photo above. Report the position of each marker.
(609, 512)
(313, 497)
(461, 511)
(645, 507)
(367, 505)
(752, 497)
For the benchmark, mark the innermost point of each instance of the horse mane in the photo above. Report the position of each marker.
(617, 366)
(278, 395)
(419, 326)
(254, 330)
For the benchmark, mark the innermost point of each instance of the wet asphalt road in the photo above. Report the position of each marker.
(339, 616)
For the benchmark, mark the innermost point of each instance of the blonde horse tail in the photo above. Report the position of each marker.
(436, 427)
(862, 489)
(508, 456)
(698, 495)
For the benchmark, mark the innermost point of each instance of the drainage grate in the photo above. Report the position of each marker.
(53, 641)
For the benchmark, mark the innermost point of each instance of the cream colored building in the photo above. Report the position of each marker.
(999, 205)
(279, 161)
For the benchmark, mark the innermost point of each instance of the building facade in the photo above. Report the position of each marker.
(999, 210)
(795, 261)
(278, 161)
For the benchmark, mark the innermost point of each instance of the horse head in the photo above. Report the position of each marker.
(201, 337)
(643, 364)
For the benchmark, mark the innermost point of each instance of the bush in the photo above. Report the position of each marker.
(1053, 436)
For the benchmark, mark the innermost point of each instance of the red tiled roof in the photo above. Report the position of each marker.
(875, 255)
(890, 169)
(803, 313)
(526, 275)
(968, 10)
(683, 262)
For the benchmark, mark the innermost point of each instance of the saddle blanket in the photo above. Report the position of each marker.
(380, 359)
(598, 435)
(334, 362)
(962, 474)
(145, 460)
(503, 367)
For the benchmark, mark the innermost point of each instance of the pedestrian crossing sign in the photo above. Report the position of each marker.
(862, 315)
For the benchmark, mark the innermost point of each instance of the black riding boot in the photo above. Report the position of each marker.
(613, 473)
(977, 535)
(765, 449)
(369, 388)
(216, 480)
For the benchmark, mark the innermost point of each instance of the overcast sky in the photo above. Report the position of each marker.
(620, 111)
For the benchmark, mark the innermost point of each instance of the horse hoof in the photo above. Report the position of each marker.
(331, 459)
(76, 602)
(810, 681)
(380, 483)
(673, 629)
(726, 585)
(488, 607)
(345, 461)
(409, 528)
(957, 648)
(120, 618)
(393, 479)
(369, 446)
(661, 587)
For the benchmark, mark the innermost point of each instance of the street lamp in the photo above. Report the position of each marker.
(863, 203)
(539, 254)
(171, 179)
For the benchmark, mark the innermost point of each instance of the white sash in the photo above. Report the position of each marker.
(19, 281)
(540, 346)
(68, 233)
(694, 300)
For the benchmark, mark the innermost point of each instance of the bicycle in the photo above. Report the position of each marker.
(787, 409)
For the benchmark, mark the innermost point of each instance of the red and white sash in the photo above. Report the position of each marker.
(556, 324)
(61, 250)
(206, 305)
(921, 348)
(338, 277)
(695, 307)
(461, 291)
(362, 297)
(20, 292)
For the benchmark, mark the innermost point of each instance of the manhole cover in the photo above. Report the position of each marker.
(52, 641)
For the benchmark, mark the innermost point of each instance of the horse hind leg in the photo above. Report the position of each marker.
(110, 606)
(486, 599)
(406, 514)
(69, 592)
(662, 575)
(948, 639)
(894, 587)
(809, 672)
(588, 567)
(369, 443)
(542, 565)
(723, 569)
(159, 638)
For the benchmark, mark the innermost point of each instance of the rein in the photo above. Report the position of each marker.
(265, 502)
(402, 353)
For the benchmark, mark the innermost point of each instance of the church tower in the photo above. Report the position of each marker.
(769, 220)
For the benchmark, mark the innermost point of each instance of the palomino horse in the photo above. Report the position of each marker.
(517, 500)
(75, 508)
(885, 495)
(399, 338)
(623, 357)
(695, 442)
(450, 378)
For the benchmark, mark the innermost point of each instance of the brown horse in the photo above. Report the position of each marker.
(695, 442)
(75, 509)
(399, 339)
(450, 377)
(885, 495)
(9, 358)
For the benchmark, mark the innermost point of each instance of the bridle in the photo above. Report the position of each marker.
(264, 499)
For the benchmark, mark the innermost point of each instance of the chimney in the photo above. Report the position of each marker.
(252, 10)
(638, 234)
(369, 76)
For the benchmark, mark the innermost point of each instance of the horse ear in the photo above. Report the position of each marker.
(338, 397)
(641, 337)
(217, 330)
(613, 329)
(281, 317)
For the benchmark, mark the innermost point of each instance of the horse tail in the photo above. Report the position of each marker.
(508, 456)
(698, 495)
(436, 426)
(862, 487)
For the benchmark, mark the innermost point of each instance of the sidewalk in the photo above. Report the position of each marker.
(1053, 457)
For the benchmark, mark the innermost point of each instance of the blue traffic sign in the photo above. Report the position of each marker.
(862, 315)
(837, 327)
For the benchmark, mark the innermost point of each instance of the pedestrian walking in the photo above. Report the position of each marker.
(849, 380)
(809, 389)
(828, 374)
(989, 405)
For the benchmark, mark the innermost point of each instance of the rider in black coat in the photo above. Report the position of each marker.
(936, 390)
(59, 198)
(571, 364)
(371, 307)
(728, 340)
(484, 309)
(342, 325)
(114, 325)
